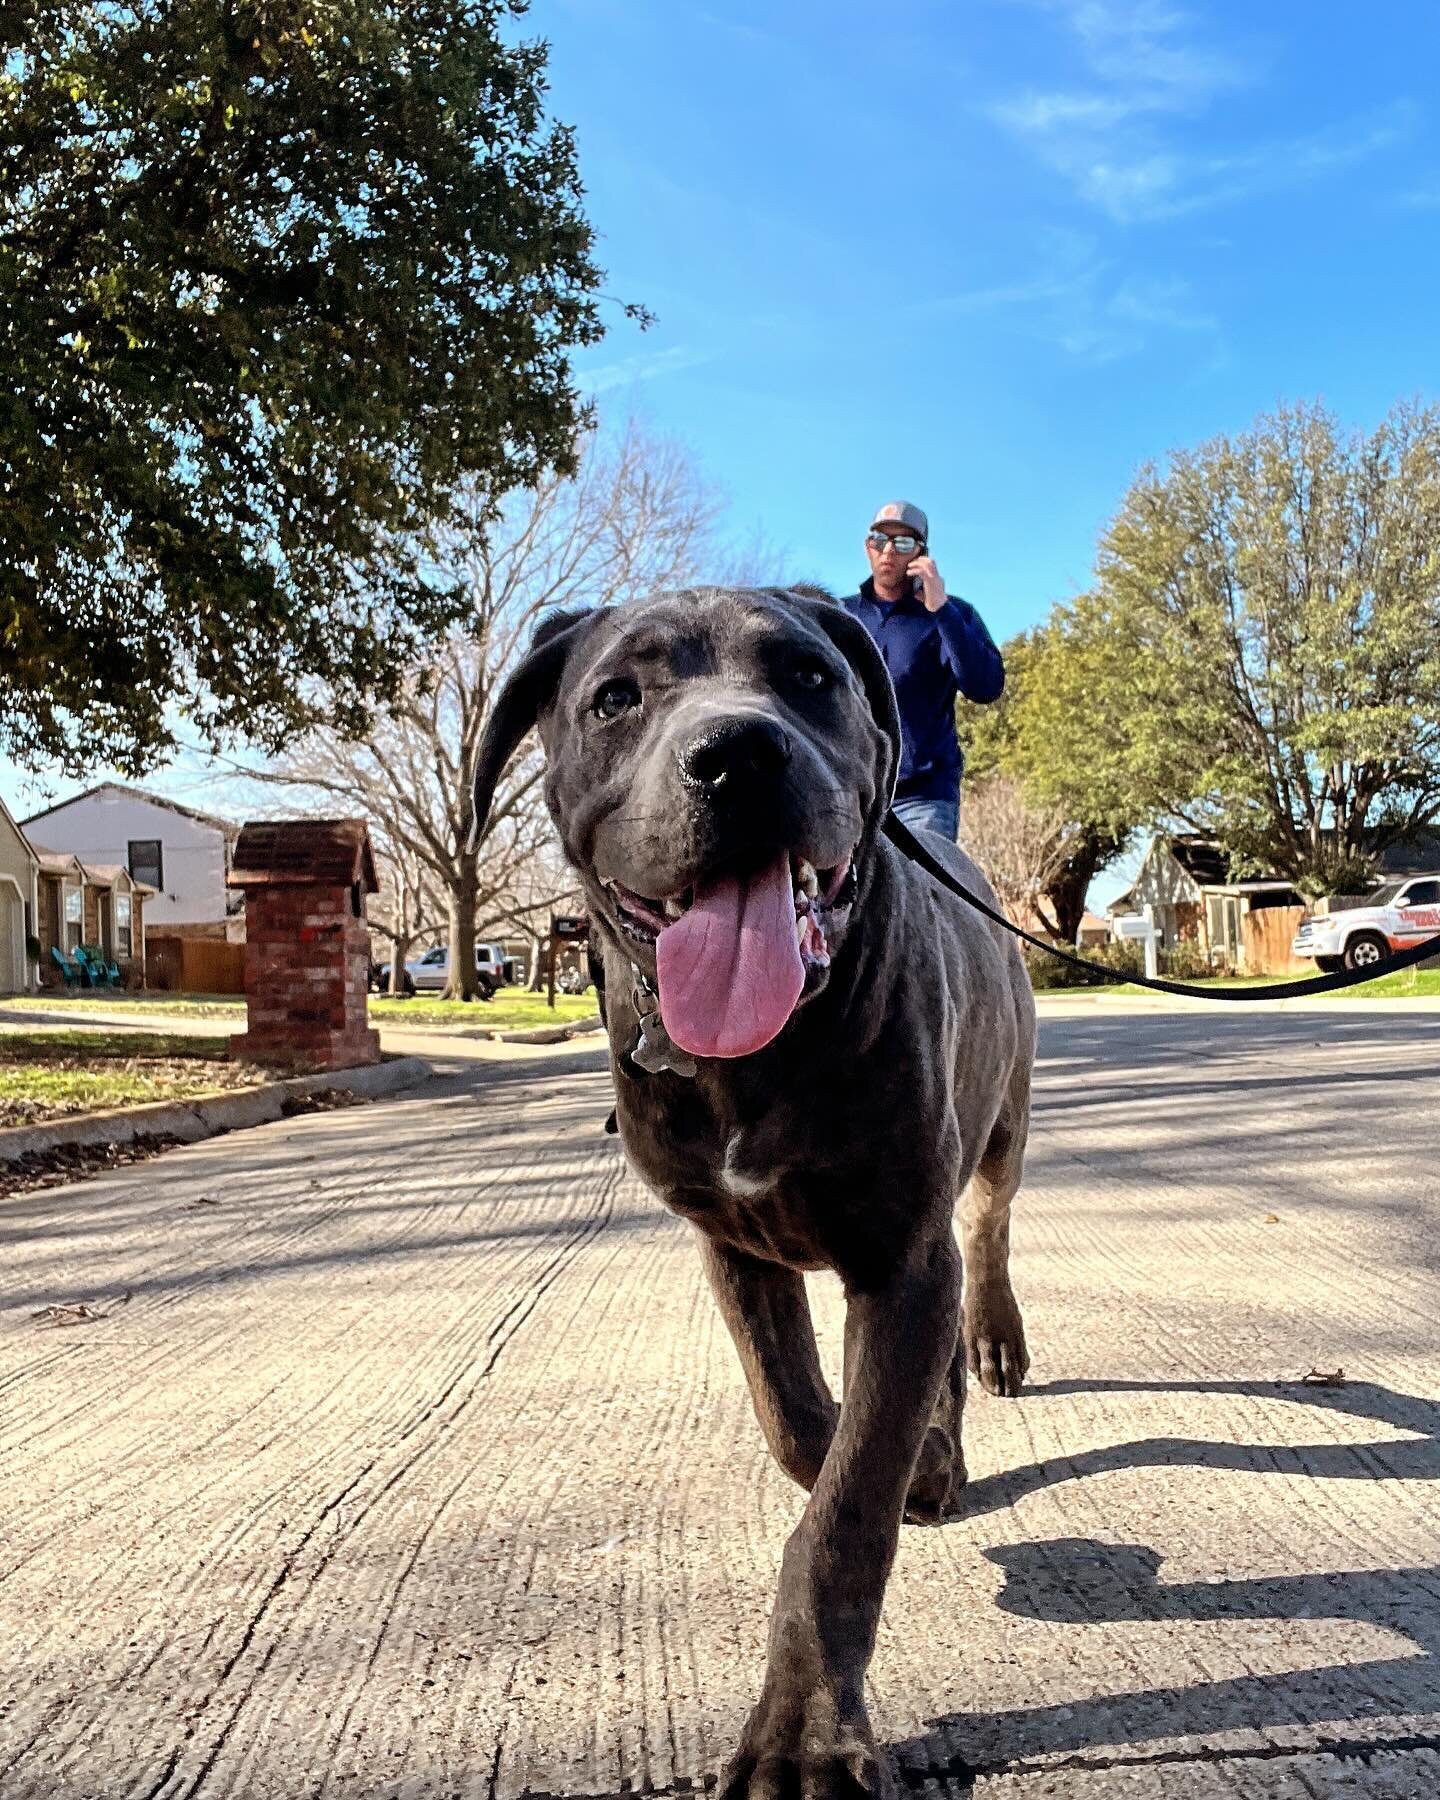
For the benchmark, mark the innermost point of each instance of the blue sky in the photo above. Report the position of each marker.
(992, 255)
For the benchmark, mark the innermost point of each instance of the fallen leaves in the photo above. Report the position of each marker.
(65, 1163)
(321, 1100)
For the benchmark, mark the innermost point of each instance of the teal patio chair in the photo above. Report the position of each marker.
(92, 959)
(74, 974)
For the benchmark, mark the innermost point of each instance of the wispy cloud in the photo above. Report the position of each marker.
(739, 28)
(1083, 304)
(1116, 135)
(645, 365)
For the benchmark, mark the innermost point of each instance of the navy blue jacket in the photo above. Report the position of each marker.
(931, 657)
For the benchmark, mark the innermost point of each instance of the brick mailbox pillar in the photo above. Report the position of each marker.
(307, 952)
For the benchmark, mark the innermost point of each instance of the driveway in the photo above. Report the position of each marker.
(410, 1459)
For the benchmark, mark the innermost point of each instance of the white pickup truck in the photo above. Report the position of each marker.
(1396, 916)
(430, 972)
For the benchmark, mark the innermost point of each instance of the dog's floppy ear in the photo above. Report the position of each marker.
(862, 653)
(526, 692)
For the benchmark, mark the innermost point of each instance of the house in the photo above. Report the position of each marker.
(19, 905)
(182, 856)
(54, 900)
(1093, 932)
(99, 904)
(1419, 856)
(1184, 888)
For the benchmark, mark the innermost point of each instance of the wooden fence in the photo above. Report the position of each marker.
(1267, 936)
(182, 965)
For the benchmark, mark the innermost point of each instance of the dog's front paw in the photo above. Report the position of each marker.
(938, 1481)
(803, 1745)
(995, 1340)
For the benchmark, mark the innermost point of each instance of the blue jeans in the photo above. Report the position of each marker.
(940, 816)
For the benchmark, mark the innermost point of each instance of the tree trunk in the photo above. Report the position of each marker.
(462, 984)
(1066, 894)
(399, 955)
(532, 982)
(1066, 891)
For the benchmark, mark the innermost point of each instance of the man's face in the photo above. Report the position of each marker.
(891, 549)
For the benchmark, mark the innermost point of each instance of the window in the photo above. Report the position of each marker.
(74, 916)
(1423, 893)
(123, 939)
(147, 863)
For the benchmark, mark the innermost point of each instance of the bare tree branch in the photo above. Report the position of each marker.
(1020, 847)
(633, 519)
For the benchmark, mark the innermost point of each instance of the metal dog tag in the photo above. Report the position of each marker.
(653, 1051)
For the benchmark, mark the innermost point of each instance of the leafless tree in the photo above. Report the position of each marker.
(407, 910)
(634, 518)
(543, 886)
(1021, 847)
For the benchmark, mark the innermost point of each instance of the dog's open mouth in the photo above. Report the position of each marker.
(733, 952)
(817, 892)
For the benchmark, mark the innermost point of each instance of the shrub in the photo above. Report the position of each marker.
(1047, 972)
(1185, 961)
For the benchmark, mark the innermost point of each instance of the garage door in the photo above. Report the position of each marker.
(12, 940)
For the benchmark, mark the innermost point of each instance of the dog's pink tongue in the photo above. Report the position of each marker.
(729, 967)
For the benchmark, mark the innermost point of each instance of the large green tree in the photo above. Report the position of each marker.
(1041, 736)
(276, 278)
(1264, 639)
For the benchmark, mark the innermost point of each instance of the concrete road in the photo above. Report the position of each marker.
(417, 1464)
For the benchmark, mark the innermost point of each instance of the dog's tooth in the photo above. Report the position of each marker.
(806, 879)
(673, 909)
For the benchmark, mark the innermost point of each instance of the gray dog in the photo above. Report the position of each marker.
(816, 1050)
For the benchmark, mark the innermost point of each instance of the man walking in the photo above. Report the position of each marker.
(935, 647)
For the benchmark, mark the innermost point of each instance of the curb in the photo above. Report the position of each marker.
(549, 1034)
(192, 1120)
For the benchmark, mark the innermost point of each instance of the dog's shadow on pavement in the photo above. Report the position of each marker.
(1085, 1582)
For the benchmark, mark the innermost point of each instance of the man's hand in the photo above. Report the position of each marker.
(932, 588)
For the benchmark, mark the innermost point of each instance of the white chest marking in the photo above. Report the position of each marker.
(746, 1186)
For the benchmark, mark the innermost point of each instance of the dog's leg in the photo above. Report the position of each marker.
(994, 1331)
(940, 1472)
(810, 1735)
(596, 964)
(765, 1307)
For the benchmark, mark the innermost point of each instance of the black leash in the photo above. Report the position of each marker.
(906, 842)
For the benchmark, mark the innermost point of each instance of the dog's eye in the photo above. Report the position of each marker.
(811, 674)
(614, 698)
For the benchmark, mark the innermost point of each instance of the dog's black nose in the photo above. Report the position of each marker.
(737, 753)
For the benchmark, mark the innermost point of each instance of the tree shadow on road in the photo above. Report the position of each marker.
(1084, 1582)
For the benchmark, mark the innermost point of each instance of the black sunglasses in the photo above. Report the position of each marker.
(904, 543)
